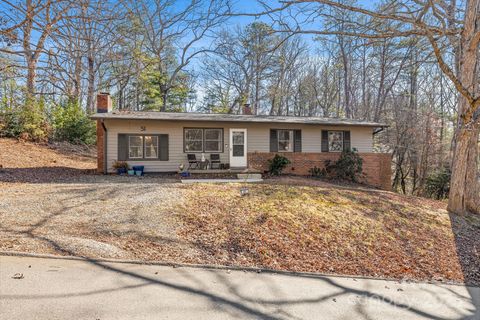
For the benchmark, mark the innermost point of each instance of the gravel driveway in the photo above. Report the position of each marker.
(95, 216)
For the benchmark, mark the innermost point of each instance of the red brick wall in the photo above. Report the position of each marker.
(100, 147)
(376, 166)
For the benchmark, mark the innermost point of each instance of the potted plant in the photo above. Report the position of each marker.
(120, 166)
(183, 173)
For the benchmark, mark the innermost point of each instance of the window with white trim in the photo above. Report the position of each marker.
(213, 140)
(285, 140)
(335, 141)
(193, 140)
(135, 147)
(151, 147)
(203, 140)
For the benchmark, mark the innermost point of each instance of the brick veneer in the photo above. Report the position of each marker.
(376, 166)
(100, 147)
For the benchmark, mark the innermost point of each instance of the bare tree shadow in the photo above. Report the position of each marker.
(466, 229)
(240, 303)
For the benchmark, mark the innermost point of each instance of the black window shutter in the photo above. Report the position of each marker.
(346, 141)
(324, 141)
(122, 147)
(297, 141)
(163, 146)
(273, 140)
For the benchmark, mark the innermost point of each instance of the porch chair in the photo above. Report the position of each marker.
(215, 159)
(192, 161)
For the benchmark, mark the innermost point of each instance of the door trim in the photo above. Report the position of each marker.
(244, 163)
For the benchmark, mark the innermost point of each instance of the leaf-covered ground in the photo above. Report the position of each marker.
(51, 202)
(303, 225)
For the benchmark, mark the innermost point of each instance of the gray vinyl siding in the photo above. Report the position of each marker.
(258, 138)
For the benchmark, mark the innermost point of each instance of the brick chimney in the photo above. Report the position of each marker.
(104, 102)
(247, 109)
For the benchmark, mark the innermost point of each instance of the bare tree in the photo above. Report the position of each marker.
(436, 22)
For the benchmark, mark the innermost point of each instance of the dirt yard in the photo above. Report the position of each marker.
(51, 202)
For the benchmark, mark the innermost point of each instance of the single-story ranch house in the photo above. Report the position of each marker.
(163, 141)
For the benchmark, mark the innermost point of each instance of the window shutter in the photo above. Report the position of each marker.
(297, 140)
(163, 146)
(324, 141)
(122, 147)
(273, 140)
(346, 141)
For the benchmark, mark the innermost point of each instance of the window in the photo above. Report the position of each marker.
(203, 140)
(144, 147)
(285, 140)
(335, 141)
(151, 147)
(193, 140)
(213, 140)
(135, 147)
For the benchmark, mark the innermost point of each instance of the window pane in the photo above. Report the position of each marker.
(283, 134)
(193, 146)
(238, 138)
(135, 147)
(335, 141)
(194, 140)
(151, 147)
(285, 140)
(213, 134)
(213, 146)
(284, 145)
(193, 134)
(238, 150)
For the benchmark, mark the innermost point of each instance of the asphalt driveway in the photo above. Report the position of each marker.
(66, 289)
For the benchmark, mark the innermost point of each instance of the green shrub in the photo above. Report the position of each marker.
(71, 123)
(437, 185)
(26, 120)
(277, 164)
(10, 125)
(348, 167)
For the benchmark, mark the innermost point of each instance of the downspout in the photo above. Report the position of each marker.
(105, 157)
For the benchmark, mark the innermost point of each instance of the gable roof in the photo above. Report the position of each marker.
(224, 117)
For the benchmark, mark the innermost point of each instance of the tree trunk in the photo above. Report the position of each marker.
(31, 78)
(91, 85)
(464, 186)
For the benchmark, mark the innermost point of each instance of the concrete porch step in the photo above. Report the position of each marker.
(244, 176)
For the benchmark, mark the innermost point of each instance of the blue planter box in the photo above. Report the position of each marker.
(138, 170)
(121, 171)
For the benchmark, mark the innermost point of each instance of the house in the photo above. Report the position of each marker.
(161, 141)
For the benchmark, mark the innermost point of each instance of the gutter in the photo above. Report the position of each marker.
(378, 130)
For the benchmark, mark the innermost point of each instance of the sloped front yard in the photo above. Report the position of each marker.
(51, 202)
(297, 224)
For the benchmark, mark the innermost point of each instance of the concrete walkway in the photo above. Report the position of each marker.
(69, 289)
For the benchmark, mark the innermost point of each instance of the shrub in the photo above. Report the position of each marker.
(27, 121)
(437, 185)
(348, 167)
(277, 164)
(317, 172)
(72, 124)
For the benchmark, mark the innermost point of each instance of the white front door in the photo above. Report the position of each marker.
(238, 147)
